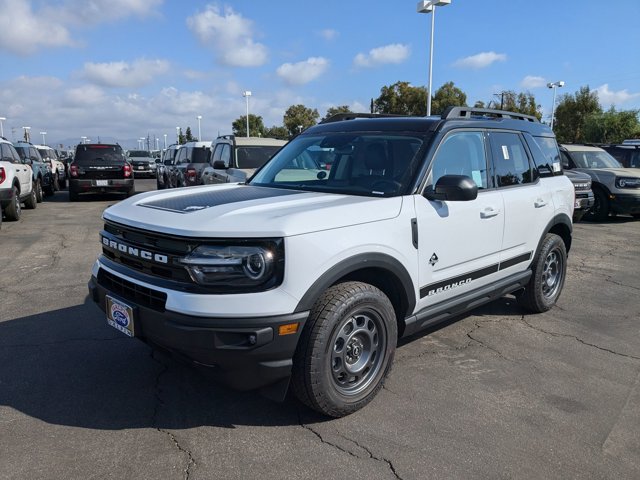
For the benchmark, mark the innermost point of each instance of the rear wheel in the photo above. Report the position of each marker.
(547, 279)
(56, 183)
(14, 209)
(39, 192)
(345, 350)
(32, 200)
(600, 210)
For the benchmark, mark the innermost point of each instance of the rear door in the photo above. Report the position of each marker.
(100, 162)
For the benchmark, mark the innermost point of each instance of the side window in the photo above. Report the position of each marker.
(33, 153)
(5, 153)
(510, 161)
(225, 156)
(461, 153)
(546, 154)
(14, 155)
(181, 154)
(217, 153)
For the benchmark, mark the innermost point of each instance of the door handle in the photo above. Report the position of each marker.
(539, 203)
(489, 212)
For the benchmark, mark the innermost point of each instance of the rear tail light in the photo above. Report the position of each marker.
(3, 175)
(191, 174)
(127, 170)
(73, 170)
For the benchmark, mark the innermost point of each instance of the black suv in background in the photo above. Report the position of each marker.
(627, 155)
(100, 168)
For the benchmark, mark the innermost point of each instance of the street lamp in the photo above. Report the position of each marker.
(429, 6)
(2, 119)
(44, 141)
(165, 141)
(554, 86)
(199, 117)
(178, 135)
(157, 143)
(83, 140)
(27, 134)
(246, 95)
(142, 139)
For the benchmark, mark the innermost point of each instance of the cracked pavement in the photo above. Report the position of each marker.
(496, 393)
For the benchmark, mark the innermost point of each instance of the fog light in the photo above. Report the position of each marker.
(288, 329)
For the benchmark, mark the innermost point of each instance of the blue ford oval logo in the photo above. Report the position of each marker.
(120, 315)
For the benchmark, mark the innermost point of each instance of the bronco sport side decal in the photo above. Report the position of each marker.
(467, 278)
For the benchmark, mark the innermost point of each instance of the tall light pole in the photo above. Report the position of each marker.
(44, 141)
(429, 6)
(178, 135)
(2, 119)
(83, 140)
(554, 86)
(27, 134)
(142, 139)
(199, 117)
(165, 141)
(246, 95)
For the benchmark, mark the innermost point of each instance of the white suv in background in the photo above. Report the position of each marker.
(50, 155)
(16, 182)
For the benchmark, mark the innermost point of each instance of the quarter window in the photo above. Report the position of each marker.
(510, 161)
(461, 153)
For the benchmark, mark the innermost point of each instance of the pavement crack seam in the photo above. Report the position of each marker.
(372, 456)
(156, 410)
(555, 334)
(481, 343)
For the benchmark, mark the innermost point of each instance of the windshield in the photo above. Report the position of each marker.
(139, 153)
(46, 153)
(254, 156)
(594, 159)
(365, 163)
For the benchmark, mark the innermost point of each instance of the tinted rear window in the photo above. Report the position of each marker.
(254, 157)
(139, 153)
(99, 153)
(199, 154)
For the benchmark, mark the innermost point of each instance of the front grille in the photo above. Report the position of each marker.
(137, 294)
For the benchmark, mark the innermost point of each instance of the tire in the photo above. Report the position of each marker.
(159, 186)
(73, 195)
(548, 276)
(39, 192)
(56, 183)
(32, 200)
(345, 350)
(14, 210)
(600, 210)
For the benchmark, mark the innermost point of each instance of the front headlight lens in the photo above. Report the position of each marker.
(233, 266)
(627, 182)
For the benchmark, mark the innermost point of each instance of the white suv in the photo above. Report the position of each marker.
(356, 233)
(16, 182)
(50, 156)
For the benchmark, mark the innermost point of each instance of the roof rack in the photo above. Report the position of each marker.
(467, 112)
(338, 117)
(228, 136)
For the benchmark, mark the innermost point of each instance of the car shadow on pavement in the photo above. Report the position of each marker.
(67, 367)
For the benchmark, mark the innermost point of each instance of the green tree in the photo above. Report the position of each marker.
(298, 118)
(523, 102)
(611, 126)
(256, 126)
(181, 138)
(479, 104)
(448, 95)
(572, 113)
(278, 132)
(331, 111)
(402, 99)
(188, 136)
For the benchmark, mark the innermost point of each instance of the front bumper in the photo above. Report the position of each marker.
(625, 202)
(244, 353)
(122, 185)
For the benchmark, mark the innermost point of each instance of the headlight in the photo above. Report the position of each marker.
(238, 268)
(582, 186)
(627, 182)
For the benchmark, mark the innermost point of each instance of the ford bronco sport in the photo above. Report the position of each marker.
(308, 276)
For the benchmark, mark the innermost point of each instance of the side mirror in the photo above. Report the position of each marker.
(454, 188)
(219, 165)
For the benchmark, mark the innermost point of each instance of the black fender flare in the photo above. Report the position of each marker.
(360, 262)
(560, 219)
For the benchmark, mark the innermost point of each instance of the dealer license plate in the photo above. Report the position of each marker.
(120, 316)
(102, 183)
(140, 167)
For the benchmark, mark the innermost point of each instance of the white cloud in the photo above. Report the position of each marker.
(480, 60)
(303, 72)
(25, 30)
(230, 35)
(531, 81)
(608, 97)
(329, 34)
(122, 74)
(84, 96)
(394, 53)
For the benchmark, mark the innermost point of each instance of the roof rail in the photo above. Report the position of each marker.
(338, 117)
(229, 136)
(467, 112)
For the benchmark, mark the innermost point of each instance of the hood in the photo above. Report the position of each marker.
(618, 172)
(231, 210)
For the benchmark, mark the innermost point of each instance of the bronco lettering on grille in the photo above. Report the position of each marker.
(135, 252)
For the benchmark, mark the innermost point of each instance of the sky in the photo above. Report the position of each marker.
(126, 69)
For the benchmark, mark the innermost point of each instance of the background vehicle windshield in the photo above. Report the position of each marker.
(139, 153)
(254, 156)
(365, 163)
(594, 159)
(199, 154)
(46, 153)
(99, 153)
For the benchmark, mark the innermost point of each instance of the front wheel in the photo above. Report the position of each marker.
(32, 200)
(345, 350)
(39, 192)
(548, 276)
(14, 210)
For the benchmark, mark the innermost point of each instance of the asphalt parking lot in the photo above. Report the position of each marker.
(496, 394)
